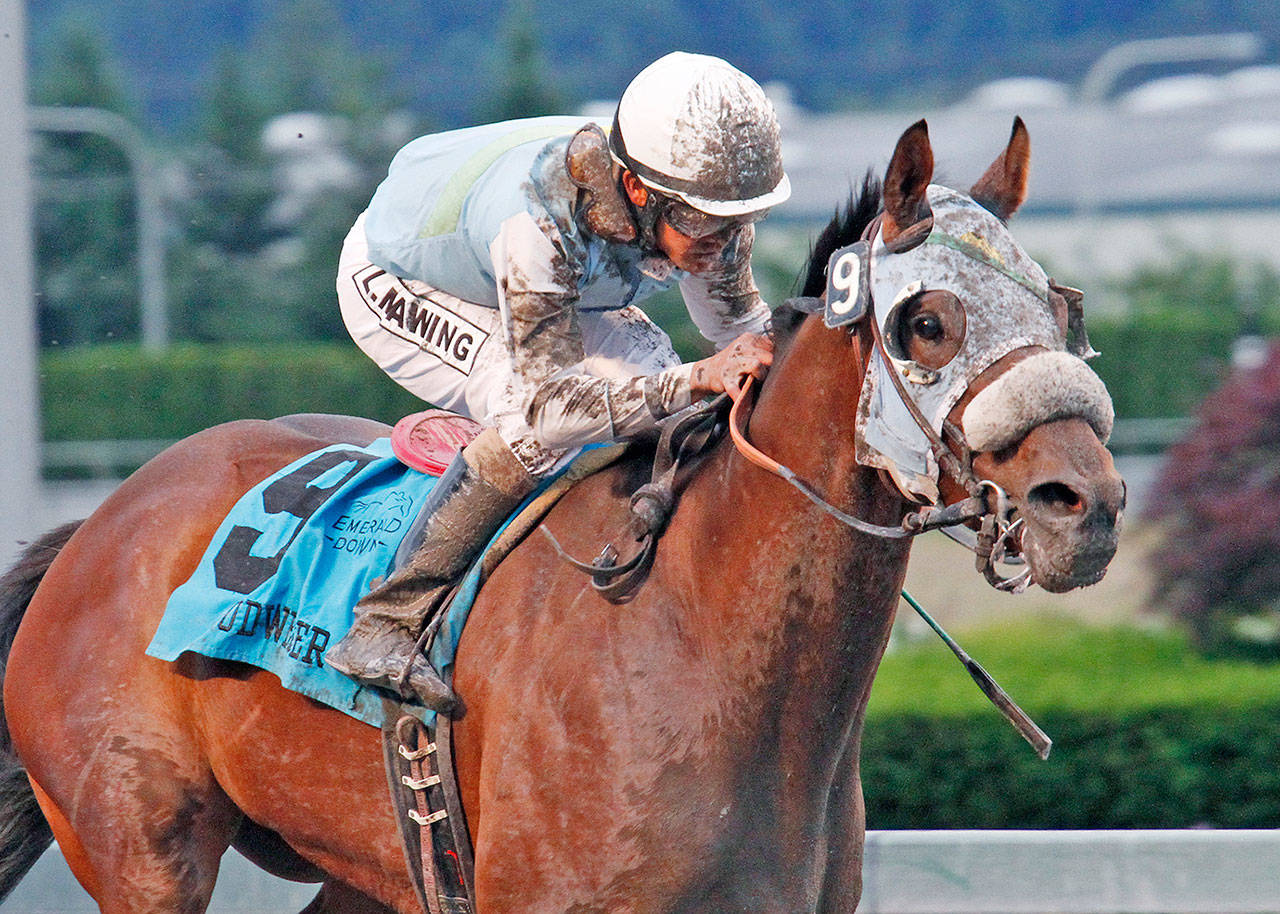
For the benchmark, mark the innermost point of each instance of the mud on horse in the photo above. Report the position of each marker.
(693, 750)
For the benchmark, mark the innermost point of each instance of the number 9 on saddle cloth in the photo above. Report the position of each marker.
(280, 577)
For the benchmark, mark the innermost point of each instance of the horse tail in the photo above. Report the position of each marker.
(24, 833)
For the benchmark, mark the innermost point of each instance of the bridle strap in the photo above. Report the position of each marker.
(914, 523)
(946, 458)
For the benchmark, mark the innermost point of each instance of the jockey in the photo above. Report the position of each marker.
(496, 273)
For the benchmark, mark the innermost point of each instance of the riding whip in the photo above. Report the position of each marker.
(1038, 739)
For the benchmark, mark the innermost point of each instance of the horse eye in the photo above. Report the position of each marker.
(927, 326)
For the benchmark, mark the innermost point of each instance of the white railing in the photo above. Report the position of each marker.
(914, 872)
(1072, 872)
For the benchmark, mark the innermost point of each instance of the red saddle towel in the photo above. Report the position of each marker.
(427, 441)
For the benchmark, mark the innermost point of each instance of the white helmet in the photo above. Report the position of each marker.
(694, 127)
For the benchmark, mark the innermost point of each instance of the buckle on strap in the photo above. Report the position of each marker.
(427, 820)
(416, 755)
(420, 783)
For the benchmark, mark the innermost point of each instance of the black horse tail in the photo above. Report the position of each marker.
(24, 833)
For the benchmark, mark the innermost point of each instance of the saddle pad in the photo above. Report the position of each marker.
(279, 580)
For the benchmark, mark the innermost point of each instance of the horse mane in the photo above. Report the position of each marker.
(845, 227)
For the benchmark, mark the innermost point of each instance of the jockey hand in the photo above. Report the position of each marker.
(750, 355)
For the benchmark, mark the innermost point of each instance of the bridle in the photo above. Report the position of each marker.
(987, 502)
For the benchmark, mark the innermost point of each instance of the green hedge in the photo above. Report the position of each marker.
(1146, 735)
(122, 392)
(1154, 366)
(1161, 768)
(1162, 363)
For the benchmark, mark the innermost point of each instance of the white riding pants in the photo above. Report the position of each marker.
(456, 354)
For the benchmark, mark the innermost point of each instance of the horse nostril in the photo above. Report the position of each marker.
(1056, 497)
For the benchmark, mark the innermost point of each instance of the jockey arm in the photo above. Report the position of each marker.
(723, 300)
(565, 404)
(727, 309)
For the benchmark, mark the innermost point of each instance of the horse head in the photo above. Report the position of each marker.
(974, 380)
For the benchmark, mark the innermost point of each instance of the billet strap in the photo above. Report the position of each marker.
(410, 838)
(428, 811)
(453, 803)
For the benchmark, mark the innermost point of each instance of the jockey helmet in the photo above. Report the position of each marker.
(693, 127)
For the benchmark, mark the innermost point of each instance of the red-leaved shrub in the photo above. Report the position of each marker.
(1218, 494)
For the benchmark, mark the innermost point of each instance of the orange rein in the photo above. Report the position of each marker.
(745, 447)
(914, 523)
(917, 522)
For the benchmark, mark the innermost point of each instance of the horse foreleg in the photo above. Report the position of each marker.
(339, 898)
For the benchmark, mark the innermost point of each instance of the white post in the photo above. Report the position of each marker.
(151, 282)
(19, 402)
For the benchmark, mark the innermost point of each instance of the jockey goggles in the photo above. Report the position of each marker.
(694, 223)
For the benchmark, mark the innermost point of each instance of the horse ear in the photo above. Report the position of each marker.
(907, 218)
(1004, 187)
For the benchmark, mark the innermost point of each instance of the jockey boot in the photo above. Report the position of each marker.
(478, 491)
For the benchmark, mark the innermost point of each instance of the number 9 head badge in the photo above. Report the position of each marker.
(848, 285)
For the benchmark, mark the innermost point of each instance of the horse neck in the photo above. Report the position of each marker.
(805, 604)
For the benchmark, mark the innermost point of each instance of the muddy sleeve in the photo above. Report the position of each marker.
(724, 302)
(563, 404)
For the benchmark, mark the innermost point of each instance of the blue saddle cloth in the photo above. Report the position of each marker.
(280, 578)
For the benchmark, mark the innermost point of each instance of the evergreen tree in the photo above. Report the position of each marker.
(522, 87)
(264, 226)
(85, 214)
(219, 293)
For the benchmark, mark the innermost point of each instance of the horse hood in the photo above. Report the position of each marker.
(1005, 294)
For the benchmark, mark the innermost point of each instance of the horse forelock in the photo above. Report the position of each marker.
(844, 229)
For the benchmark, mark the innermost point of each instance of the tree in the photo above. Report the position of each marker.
(521, 86)
(296, 133)
(1218, 494)
(86, 223)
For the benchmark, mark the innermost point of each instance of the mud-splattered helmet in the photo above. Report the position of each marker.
(696, 128)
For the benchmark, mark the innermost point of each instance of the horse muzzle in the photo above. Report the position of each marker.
(1073, 504)
(1050, 416)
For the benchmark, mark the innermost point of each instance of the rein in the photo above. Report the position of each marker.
(913, 524)
(975, 506)
(686, 434)
(990, 545)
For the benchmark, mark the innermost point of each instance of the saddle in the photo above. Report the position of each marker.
(418, 757)
(427, 441)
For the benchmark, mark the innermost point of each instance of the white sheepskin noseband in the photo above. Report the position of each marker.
(1039, 389)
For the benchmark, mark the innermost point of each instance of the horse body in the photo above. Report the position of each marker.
(703, 695)
(144, 775)
(697, 695)
(695, 749)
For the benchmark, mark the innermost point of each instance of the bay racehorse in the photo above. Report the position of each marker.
(693, 750)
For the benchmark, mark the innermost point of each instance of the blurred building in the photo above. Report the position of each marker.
(1186, 163)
